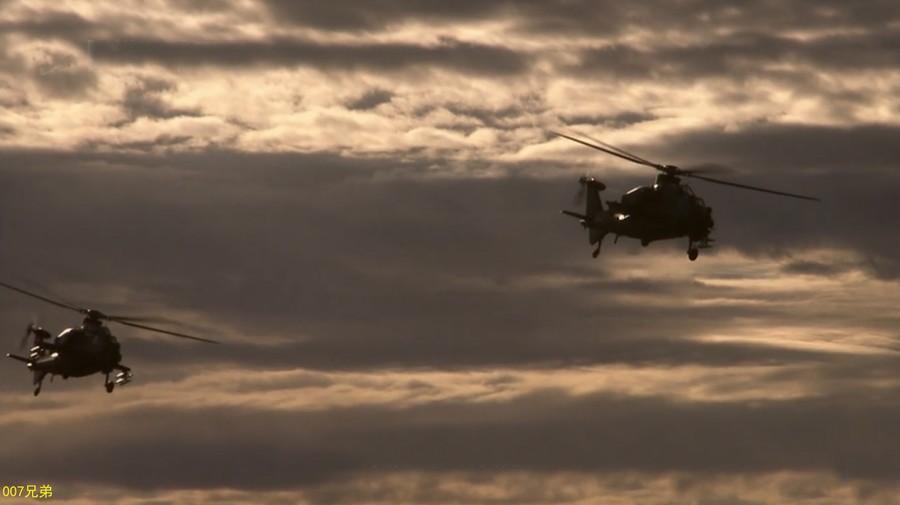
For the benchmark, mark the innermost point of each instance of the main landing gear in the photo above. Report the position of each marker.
(123, 377)
(694, 250)
(38, 381)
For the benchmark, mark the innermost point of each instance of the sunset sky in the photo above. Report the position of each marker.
(361, 200)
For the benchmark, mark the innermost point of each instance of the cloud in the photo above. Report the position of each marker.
(465, 57)
(742, 56)
(371, 99)
(329, 261)
(552, 432)
(524, 487)
(52, 24)
(696, 18)
(62, 75)
(143, 100)
(583, 17)
(791, 148)
(378, 15)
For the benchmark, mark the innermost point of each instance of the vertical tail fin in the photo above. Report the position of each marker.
(593, 208)
(593, 204)
(594, 218)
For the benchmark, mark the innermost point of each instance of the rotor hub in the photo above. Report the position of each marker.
(94, 315)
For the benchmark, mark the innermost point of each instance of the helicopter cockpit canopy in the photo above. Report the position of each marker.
(85, 336)
(72, 337)
(637, 196)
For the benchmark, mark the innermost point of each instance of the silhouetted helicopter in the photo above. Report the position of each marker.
(82, 351)
(667, 209)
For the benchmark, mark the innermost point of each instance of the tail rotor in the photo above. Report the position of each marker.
(593, 218)
(23, 342)
(41, 336)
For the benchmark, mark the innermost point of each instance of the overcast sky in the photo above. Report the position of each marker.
(361, 200)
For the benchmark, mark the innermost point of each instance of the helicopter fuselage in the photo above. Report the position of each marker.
(81, 351)
(668, 209)
(76, 352)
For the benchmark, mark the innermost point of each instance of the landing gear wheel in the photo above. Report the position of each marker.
(693, 253)
(110, 386)
(596, 252)
(37, 390)
(645, 243)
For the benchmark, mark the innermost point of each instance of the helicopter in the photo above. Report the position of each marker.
(81, 351)
(668, 209)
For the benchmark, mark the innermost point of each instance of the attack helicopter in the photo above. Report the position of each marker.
(85, 350)
(668, 209)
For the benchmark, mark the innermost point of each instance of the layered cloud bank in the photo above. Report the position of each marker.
(361, 199)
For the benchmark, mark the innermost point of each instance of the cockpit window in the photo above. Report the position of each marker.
(71, 336)
(637, 189)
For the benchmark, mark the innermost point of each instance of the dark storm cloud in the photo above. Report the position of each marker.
(371, 99)
(465, 57)
(597, 18)
(620, 120)
(160, 141)
(702, 16)
(52, 24)
(855, 151)
(240, 250)
(822, 268)
(342, 352)
(62, 75)
(379, 14)
(744, 55)
(203, 6)
(143, 99)
(548, 431)
(356, 261)
(492, 118)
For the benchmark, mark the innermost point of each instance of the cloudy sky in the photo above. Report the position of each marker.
(361, 200)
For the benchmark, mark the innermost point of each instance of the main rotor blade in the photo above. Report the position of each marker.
(706, 168)
(622, 155)
(619, 150)
(752, 188)
(167, 332)
(141, 319)
(42, 298)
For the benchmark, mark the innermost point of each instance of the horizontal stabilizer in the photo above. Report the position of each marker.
(575, 214)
